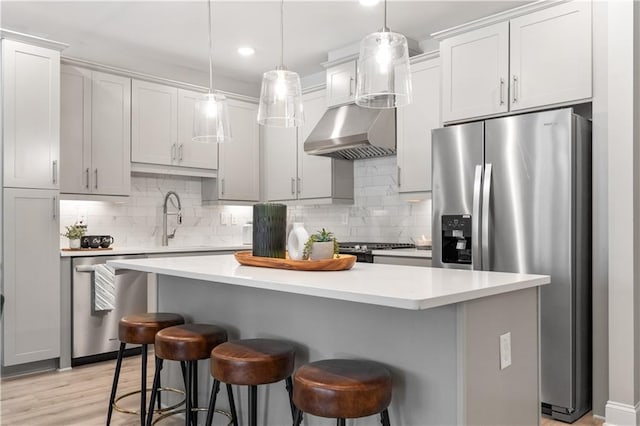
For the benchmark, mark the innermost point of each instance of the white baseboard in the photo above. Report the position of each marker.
(618, 414)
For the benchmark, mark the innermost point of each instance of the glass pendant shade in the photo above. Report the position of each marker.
(211, 119)
(281, 99)
(384, 76)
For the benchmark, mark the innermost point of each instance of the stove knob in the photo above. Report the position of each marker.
(357, 247)
(364, 247)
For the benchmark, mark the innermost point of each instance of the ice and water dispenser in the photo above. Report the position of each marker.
(456, 239)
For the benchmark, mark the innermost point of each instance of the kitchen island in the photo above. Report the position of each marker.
(437, 330)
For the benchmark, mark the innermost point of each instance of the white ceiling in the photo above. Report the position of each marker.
(129, 34)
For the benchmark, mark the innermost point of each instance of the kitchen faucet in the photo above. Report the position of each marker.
(165, 237)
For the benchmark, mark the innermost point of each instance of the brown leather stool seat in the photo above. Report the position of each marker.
(139, 329)
(188, 343)
(252, 362)
(342, 389)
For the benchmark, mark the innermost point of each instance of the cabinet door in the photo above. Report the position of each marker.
(314, 171)
(154, 117)
(31, 276)
(75, 130)
(31, 108)
(280, 158)
(203, 155)
(415, 122)
(341, 84)
(551, 56)
(239, 163)
(475, 73)
(110, 134)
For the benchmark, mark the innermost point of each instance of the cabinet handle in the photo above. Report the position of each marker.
(293, 185)
(222, 186)
(87, 173)
(55, 208)
(399, 169)
(55, 172)
(96, 179)
(502, 91)
(515, 89)
(173, 151)
(299, 185)
(180, 152)
(350, 86)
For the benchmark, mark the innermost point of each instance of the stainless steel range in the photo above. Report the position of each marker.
(363, 251)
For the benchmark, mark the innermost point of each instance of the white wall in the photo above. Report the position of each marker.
(378, 213)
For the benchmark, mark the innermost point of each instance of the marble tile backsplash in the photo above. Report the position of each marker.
(378, 213)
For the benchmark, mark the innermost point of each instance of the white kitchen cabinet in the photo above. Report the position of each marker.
(154, 123)
(291, 174)
(475, 73)
(31, 276)
(550, 56)
(95, 133)
(341, 83)
(414, 124)
(239, 160)
(31, 115)
(537, 60)
(203, 155)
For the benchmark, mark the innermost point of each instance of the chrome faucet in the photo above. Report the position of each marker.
(165, 237)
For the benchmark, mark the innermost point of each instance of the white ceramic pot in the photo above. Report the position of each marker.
(322, 250)
(296, 241)
(74, 244)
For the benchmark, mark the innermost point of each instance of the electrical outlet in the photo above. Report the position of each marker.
(224, 218)
(345, 218)
(234, 219)
(505, 350)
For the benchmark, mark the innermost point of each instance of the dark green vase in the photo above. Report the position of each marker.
(270, 230)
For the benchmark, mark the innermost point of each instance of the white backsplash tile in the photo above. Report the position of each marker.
(378, 214)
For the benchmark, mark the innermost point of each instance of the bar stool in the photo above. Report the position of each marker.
(139, 329)
(251, 362)
(342, 389)
(188, 343)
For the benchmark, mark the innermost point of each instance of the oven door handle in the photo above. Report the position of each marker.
(85, 268)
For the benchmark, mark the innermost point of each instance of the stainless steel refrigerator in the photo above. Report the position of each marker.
(513, 194)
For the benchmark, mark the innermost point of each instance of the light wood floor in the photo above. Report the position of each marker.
(80, 397)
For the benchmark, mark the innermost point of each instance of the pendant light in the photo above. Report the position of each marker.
(211, 116)
(384, 77)
(281, 92)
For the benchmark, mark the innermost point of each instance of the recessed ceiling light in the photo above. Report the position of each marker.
(246, 51)
(369, 2)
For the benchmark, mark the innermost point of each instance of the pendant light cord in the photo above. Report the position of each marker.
(282, 33)
(210, 53)
(384, 28)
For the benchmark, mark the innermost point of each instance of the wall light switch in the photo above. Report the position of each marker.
(224, 218)
(234, 219)
(505, 350)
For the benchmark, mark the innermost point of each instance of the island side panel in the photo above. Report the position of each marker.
(491, 395)
(419, 347)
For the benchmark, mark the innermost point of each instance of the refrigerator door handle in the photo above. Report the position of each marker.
(486, 194)
(476, 256)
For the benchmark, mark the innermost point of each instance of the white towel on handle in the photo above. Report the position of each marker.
(104, 288)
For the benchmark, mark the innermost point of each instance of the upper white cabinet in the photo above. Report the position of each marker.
(239, 160)
(341, 83)
(31, 115)
(95, 132)
(532, 61)
(414, 124)
(292, 174)
(201, 155)
(31, 276)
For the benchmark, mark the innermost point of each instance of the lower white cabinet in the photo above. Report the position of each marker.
(414, 124)
(31, 276)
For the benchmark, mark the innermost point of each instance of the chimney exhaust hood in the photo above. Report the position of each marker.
(351, 132)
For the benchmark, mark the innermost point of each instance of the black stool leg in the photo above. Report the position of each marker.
(253, 405)
(385, 418)
(159, 394)
(143, 385)
(342, 422)
(187, 390)
(212, 402)
(297, 418)
(289, 385)
(194, 393)
(154, 390)
(232, 406)
(116, 377)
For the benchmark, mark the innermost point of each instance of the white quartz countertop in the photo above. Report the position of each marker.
(151, 250)
(406, 287)
(408, 252)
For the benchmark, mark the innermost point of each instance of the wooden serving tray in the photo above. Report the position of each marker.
(342, 263)
(87, 249)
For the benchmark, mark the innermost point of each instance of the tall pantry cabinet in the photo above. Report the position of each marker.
(30, 194)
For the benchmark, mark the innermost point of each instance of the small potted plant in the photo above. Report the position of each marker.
(321, 245)
(74, 233)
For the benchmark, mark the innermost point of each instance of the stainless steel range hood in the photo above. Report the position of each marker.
(351, 132)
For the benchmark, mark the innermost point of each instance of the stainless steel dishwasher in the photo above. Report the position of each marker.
(94, 334)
